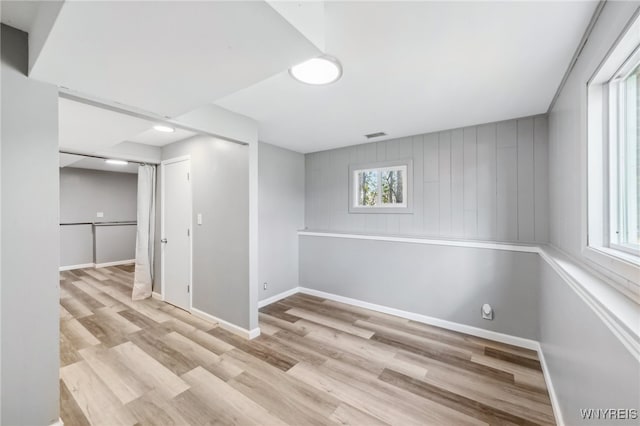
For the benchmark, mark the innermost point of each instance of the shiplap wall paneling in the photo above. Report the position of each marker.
(487, 181)
(470, 162)
(525, 180)
(507, 181)
(458, 183)
(541, 182)
(483, 182)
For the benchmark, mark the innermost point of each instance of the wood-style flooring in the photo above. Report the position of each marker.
(317, 362)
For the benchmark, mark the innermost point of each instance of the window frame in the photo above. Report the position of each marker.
(616, 144)
(621, 266)
(380, 167)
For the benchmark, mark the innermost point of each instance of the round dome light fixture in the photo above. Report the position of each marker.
(317, 71)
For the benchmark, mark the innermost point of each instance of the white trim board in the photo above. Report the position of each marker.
(279, 296)
(242, 332)
(156, 296)
(449, 325)
(116, 263)
(72, 267)
(553, 396)
(527, 248)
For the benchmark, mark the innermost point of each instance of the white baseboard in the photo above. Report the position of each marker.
(555, 404)
(279, 296)
(72, 267)
(116, 263)
(242, 332)
(156, 296)
(58, 422)
(449, 325)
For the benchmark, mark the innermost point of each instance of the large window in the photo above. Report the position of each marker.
(611, 240)
(624, 159)
(380, 187)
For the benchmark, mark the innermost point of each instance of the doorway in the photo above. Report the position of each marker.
(176, 228)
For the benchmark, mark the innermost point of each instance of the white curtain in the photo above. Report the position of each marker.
(145, 237)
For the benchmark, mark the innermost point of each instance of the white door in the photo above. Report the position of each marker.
(176, 232)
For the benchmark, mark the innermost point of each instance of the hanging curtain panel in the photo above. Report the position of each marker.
(143, 280)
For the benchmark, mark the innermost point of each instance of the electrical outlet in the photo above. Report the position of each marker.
(264, 286)
(99, 214)
(487, 312)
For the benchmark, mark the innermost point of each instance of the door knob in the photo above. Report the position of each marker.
(164, 240)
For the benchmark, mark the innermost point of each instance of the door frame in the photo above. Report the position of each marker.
(163, 164)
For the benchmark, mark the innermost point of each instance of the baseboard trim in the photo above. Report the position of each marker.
(449, 325)
(116, 263)
(242, 332)
(279, 296)
(58, 422)
(72, 267)
(555, 403)
(156, 296)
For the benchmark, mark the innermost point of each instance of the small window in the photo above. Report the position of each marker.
(624, 159)
(380, 187)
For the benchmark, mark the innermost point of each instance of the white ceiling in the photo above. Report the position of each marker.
(156, 138)
(79, 162)
(167, 57)
(19, 14)
(86, 128)
(409, 67)
(416, 67)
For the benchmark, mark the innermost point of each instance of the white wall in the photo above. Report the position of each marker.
(30, 241)
(281, 215)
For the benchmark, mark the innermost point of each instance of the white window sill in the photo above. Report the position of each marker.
(622, 268)
(618, 311)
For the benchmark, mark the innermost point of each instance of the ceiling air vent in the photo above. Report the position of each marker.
(375, 135)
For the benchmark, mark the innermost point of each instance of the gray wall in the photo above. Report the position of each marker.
(114, 243)
(485, 182)
(76, 245)
(589, 366)
(428, 280)
(85, 192)
(220, 185)
(30, 246)
(281, 215)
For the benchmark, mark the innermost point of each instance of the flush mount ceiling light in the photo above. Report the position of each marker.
(321, 70)
(163, 128)
(116, 162)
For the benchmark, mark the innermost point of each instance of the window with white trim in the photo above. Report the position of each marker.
(380, 187)
(612, 234)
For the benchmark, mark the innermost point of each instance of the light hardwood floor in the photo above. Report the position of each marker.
(317, 362)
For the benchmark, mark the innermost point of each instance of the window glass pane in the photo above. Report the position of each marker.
(629, 157)
(392, 187)
(367, 187)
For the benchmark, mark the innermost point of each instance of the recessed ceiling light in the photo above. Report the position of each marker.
(163, 128)
(116, 162)
(321, 70)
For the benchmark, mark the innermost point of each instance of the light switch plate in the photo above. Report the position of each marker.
(100, 214)
(199, 218)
